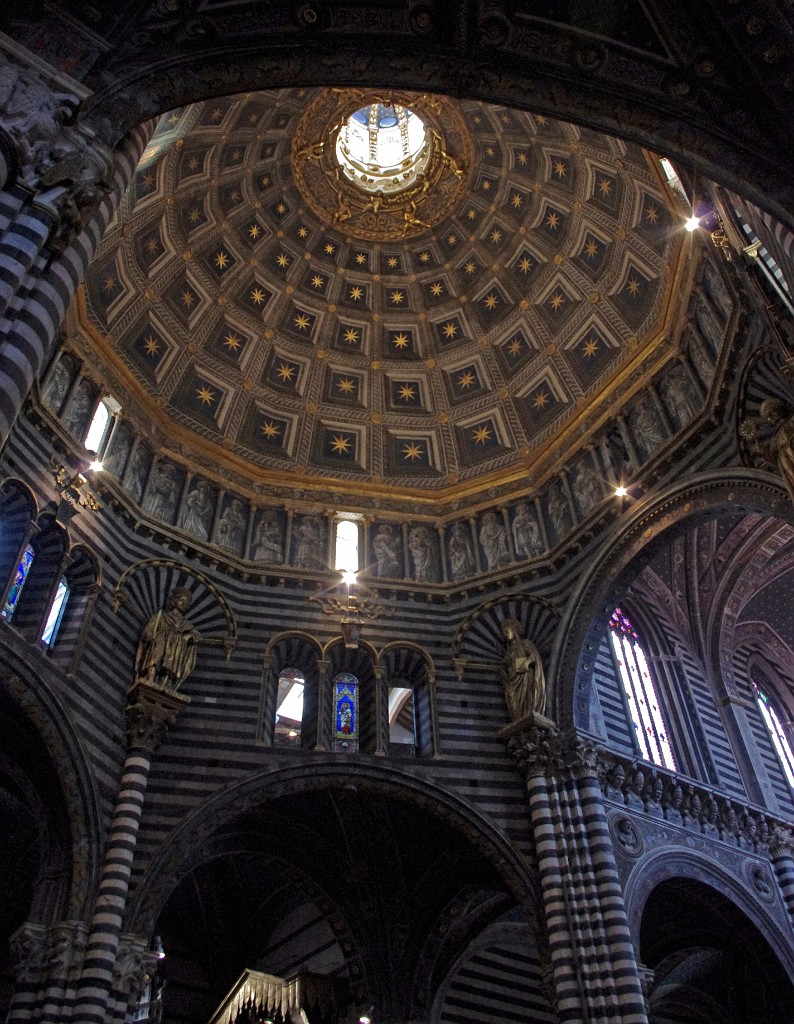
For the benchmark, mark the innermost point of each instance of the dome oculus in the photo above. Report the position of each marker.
(383, 147)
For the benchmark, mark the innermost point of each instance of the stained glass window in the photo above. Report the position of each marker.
(20, 576)
(57, 608)
(776, 732)
(641, 697)
(289, 708)
(345, 712)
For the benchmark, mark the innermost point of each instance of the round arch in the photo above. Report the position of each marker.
(600, 588)
(184, 849)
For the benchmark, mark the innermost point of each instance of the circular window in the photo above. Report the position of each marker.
(383, 147)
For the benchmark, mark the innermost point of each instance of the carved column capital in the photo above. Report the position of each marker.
(135, 965)
(781, 843)
(67, 942)
(149, 712)
(28, 947)
(539, 749)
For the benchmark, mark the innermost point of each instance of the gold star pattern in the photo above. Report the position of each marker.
(281, 208)
(525, 264)
(400, 340)
(452, 239)
(412, 451)
(652, 214)
(194, 215)
(173, 120)
(489, 151)
(346, 386)
(302, 321)
(591, 250)
(205, 395)
(470, 267)
(234, 196)
(407, 392)
(265, 181)
(152, 246)
(471, 213)
(270, 430)
(361, 258)
(424, 257)
(282, 260)
(330, 248)
(522, 158)
(351, 336)
(187, 299)
(110, 283)
(481, 435)
(254, 231)
(148, 179)
(257, 296)
(505, 119)
(514, 348)
(560, 169)
(496, 236)
(604, 187)
(541, 119)
(152, 346)
(450, 329)
(391, 262)
(486, 185)
(356, 293)
(286, 372)
(397, 297)
(303, 231)
(436, 289)
(552, 221)
(231, 341)
(633, 286)
(590, 348)
(490, 301)
(556, 301)
(516, 201)
(340, 444)
(540, 401)
(465, 380)
(318, 281)
(216, 114)
(221, 260)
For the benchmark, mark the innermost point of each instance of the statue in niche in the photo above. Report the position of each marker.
(197, 511)
(122, 442)
(701, 360)
(77, 413)
(461, 554)
(648, 428)
(586, 487)
(140, 467)
(57, 384)
(166, 652)
(267, 539)
(422, 554)
(384, 546)
(493, 539)
(231, 526)
(526, 532)
(682, 397)
(779, 449)
(522, 674)
(162, 492)
(615, 781)
(309, 547)
(559, 512)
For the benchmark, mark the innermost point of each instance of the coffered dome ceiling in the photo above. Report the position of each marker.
(481, 324)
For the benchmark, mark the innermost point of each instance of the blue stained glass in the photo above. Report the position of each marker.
(345, 712)
(19, 582)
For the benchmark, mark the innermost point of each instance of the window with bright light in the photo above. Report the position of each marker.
(289, 708)
(346, 558)
(55, 616)
(383, 147)
(99, 427)
(776, 733)
(20, 576)
(402, 726)
(643, 702)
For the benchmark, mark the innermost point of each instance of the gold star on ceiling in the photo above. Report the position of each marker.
(424, 257)
(397, 297)
(194, 215)
(257, 296)
(496, 236)
(221, 260)
(187, 299)
(407, 392)
(173, 120)
(541, 119)
(552, 221)
(514, 347)
(282, 260)
(152, 345)
(265, 181)
(452, 239)
(340, 444)
(303, 231)
(281, 208)
(471, 213)
(489, 151)
(633, 286)
(556, 301)
(361, 258)
(470, 267)
(540, 400)
(490, 301)
(148, 179)
(525, 264)
(216, 114)
(560, 168)
(481, 435)
(392, 261)
(330, 248)
(152, 246)
(450, 329)
(301, 321)
(465, 380)
(254, 231)
(591, 250)
(110, 283)
(522, 158)
(412, 451)
(436, 289)
(205, 395)
(351, 335)
(604, 187)
(505, 119)
(516, 201)
(318, 281)
(232, 341)
(270, 430)
(346, 386)
(400, 340)
(652, 214)
(486, 185)
(234, 196)
(356, 293)
(590, 348)
(286, 372)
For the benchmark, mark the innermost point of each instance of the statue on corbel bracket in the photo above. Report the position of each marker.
(522, 674)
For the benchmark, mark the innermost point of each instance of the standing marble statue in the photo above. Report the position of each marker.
(166, 652)
(780, 446)
(522, 674)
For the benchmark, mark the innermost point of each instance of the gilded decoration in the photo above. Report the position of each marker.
(381, 216)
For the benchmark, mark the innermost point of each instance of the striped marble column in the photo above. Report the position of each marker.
(593, 968)
(36, 284)
(150, 711)
(780, 847)
(28, 946)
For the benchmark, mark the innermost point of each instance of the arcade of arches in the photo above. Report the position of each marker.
(396, 526)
